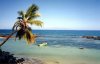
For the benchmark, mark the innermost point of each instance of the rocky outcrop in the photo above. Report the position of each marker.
(92, 37)
(7, 58)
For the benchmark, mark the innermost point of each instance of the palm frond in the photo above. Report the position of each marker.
(19, 18)
(21, 13)
(29, 37)
(16, 25)
(26, 34)
(24, 30)
(31, 10)
(20, 33)
(34, 15)
(36, 22)
(29, 28)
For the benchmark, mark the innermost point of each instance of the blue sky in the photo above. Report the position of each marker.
(56, 14)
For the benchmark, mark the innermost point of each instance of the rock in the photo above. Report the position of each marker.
(7, 58)
(20, 60)
(32, 61)
(88, 37)
(97, 38)
(92, 37)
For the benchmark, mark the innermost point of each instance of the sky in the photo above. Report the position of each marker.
(56, 14)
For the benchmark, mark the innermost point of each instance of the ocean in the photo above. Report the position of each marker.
(63, 46)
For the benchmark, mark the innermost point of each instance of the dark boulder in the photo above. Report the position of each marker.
(7, 58)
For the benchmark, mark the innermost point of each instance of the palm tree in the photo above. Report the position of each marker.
(21, 27)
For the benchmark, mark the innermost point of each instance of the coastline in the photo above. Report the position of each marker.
(72, 55)
(57, 51)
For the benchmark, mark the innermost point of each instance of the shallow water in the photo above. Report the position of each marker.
(63, 47)
(56, 54)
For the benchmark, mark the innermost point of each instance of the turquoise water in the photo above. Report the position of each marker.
(61, 54)
(63, 47)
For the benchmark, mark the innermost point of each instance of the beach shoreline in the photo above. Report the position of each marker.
(62, 48)
(73, 56)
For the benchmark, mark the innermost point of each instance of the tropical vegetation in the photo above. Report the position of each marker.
(21, 27)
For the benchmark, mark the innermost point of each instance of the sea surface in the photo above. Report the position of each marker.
(63, 46)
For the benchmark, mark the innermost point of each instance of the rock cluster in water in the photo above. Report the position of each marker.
(92, 37)
(7, 58)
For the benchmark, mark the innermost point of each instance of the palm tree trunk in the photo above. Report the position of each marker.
(7, 38)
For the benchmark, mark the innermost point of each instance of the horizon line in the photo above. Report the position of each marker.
(60, 29)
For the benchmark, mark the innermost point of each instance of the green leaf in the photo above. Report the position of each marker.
(36, 22)
(29, 37)
(22, 25)
(33, 16)
(20, 34)
(21, 13)
(31, 10)
(16, 25)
